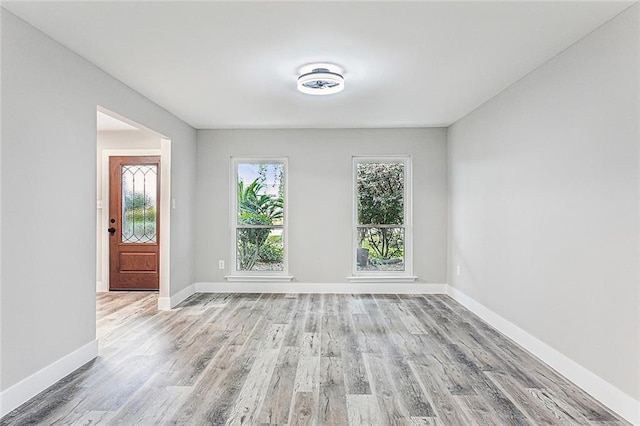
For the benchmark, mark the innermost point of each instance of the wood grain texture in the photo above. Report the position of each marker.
(132, 265)
(363, 410)
(306, 359)
(275, 409)
(332, 408)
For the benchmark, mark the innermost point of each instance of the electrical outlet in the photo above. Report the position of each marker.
(458, 270)
(220, 264)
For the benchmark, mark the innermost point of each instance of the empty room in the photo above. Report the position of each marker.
(320, 213)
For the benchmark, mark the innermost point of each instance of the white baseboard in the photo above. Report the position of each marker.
(167, 303)
(164, 303)
(338, 288)
(101, 287)
(21, 392)
(615, 399)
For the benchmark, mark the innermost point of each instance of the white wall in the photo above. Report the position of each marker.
(49, 99)
(320, 196)
(544, 187)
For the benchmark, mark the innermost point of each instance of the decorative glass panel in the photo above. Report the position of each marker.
(139, 190)
(380, 249)
(259, 249)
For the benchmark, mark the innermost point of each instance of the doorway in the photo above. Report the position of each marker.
(120, 137)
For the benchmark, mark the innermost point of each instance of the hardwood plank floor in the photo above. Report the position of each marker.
(275, 359)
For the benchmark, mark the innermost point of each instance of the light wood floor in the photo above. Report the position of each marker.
(306, 359)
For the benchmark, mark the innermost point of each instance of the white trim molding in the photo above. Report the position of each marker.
(337, 288)
(245, 275)
(407, 225)
(382, 279)
(168, 303)
(615, 399)
(259, 278)
(23, 391)
(164, 303)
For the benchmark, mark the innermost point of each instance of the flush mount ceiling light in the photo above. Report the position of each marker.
(320, 79)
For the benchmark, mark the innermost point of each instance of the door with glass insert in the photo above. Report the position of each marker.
(134, 223)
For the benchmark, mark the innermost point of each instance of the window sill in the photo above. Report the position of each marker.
(382, 279)
(259, 278)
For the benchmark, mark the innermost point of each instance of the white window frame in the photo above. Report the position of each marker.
(385, 276)
(268, 276)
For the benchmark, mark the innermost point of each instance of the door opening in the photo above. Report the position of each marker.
(118, 136)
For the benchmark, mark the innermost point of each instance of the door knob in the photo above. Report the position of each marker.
(112, 230)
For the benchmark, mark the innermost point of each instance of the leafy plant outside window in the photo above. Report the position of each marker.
(260, 209)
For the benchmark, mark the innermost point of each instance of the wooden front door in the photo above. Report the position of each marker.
(134, 223)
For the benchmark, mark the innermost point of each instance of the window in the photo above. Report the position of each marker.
(382, 230)
(259, 216)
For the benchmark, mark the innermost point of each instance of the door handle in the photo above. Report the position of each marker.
(112, 230)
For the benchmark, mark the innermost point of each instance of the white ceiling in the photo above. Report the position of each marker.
(234, 64)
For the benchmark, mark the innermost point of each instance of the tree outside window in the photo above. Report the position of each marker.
(380, 215)
(259, 224)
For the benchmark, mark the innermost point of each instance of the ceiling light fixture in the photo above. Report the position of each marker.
(320, 79)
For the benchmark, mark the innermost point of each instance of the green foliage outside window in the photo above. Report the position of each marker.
(138, 216)
(256, 207)
(380, 201)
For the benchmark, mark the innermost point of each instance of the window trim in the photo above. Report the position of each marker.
(384, 276)
(234, 274)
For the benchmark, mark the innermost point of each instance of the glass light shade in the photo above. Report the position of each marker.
(320, 81)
